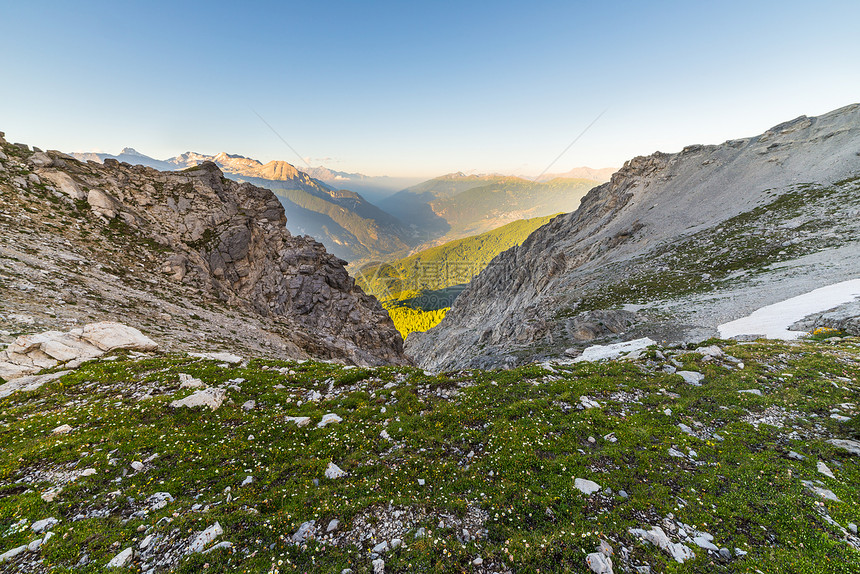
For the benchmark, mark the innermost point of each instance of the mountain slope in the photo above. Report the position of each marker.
(188, 255)
(673, 245)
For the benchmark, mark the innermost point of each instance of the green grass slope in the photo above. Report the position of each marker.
(469, 471)
(447, 265)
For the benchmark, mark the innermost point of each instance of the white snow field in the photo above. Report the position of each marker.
(773, 321)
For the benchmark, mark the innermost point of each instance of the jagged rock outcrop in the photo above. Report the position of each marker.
(687, 240)
(192, 245)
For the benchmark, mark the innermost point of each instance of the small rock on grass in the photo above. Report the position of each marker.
(211, 397)
(10, 554)
(598, 563)
(121, 559)
(378, 566)
(45, 524)
(691, 377)
(205, 538)
(334, 471)
(329, 419)
(304, 531)
(851, 446)
(586, 486)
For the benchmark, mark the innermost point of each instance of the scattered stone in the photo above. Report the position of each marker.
(332, 525)
(137, 465)
(820, 491)
(219, 546)
(44, 525)
(599, 563)
(751, 392)
(795, 455)
(478, 561)
(840, 418)
(205, 538)
(586, 486)
(381, 547)
(691, 377)
(378, 566)
(248, 480)
(211, 397)
(334, 471)
(711, 351)
(122, 558)
(822, 468)
(28, 383)
(606, 549)
(159, 500)
(704, 541)
(304, 532)
(851, 446)
(249, 405)
(600, 352)
(329, 419)
(300, 421)
(657, 537)
(588, 403)
(10, 554)
(220, 357)
(50, 494)
(189, 382)
(62, 429)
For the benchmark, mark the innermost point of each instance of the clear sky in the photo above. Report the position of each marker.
(420, 89)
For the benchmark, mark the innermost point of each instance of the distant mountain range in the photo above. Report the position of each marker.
(372, 188)
(324, 203)
(458, 205)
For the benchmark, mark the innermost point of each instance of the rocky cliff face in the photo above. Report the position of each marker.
(672, 246)
(190, 254)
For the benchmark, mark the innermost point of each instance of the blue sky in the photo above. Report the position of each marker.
(404, 88)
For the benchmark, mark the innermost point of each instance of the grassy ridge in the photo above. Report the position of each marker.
(496, 452)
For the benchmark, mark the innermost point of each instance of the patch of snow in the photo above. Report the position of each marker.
(773, 321)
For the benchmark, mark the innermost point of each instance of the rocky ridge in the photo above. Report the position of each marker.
(187, 256)
(672, 246)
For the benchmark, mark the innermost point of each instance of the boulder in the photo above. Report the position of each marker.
(32, 353)
(211, 397)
